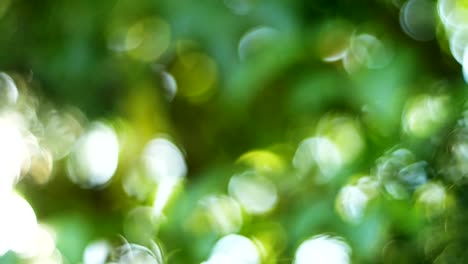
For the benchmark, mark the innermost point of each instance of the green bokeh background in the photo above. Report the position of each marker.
(272, 101)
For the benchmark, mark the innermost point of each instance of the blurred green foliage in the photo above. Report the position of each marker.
(355, 129)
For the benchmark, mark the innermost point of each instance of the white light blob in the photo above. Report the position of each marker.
(323, 249)
(433, 198)
(465, 65)
(453, 15)
(321, 152)
(256, 194)
(223, 213)
(458, 42)
(62, 128)
(370, 51)
(424, 114)
(460, 151)
(457, 168)
(169, 84)
(234, 249)
(345, 133)
(444, 8)
(255, 41)
(8, 90)
(94, 159)
(14, 151)
(165, 190)
(352, 200)
(417, 19)
(165, 165)
(41, 165)
(432, 193)
(18, 224)
(54, 258)
(351, 203)
(42, 245)
(164, 161)
(96, 252)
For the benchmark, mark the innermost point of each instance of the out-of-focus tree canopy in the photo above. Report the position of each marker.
(233, 131)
